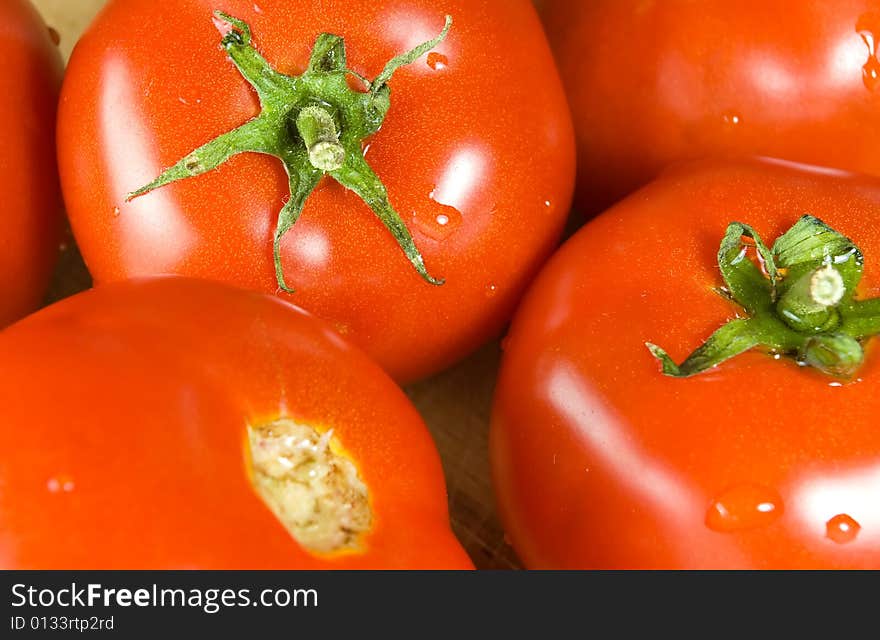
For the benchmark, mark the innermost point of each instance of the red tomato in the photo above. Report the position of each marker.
(476, 153)
(652, 82)
(140, 457)
(32, 210)
(601, 461)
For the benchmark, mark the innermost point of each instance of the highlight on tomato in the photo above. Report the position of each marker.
(693, 381)
(180, 424)
(655, 82)
(401, 169)
(32, 209)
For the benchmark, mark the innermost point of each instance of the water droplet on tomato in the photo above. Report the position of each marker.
(54, 36)
(258, 9)
(731, 118)
(60, 483)
(437, 221)
(842, 529)
(115, 211)
(868, 27)
(492, 291)
(744, 506)
(437, 61)
(871, 73)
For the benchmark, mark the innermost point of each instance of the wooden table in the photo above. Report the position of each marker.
(455, 404)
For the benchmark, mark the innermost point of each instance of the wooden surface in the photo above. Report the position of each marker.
(455, 404)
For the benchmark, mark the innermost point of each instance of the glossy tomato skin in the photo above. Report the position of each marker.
(600, 461)
(479, 133)
(32, 210)
(139, 459)
(654, 82)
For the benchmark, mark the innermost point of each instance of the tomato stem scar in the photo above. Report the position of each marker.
(802, 304)
(311, 486)
(315, 124)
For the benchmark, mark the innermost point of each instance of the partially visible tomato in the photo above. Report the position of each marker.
(32, 210)
(602, 461)
(476, 153)
(136, 432)
(651, 82)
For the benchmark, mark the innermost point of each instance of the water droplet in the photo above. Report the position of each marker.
(492, 291)
(547, 203)
(745, 506)
(437, 61)
(871, 73)
(731, 118)
(61, 483)
(868, 27)
(842, 529)
(182, 100)
(54, 36)
(437, 221)
(258, 9)
(115, 212)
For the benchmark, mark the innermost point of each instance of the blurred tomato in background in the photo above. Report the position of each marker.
(655, 81)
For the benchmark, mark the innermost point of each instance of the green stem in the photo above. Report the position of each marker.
(318, 131)
(809, 305)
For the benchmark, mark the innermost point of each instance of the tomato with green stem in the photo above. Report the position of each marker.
(651, 83)
(196, 425)
(32, 210)
(747, 438)
(400, 177)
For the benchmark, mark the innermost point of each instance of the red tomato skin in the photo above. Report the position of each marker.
(650, 83)
(484, 129)
(123, 416)
(600, 461)
(32, 209)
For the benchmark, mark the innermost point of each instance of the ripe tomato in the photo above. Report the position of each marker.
(32, 210)
(602, 461)
(175, 405)
(652, 82)
(476, 153)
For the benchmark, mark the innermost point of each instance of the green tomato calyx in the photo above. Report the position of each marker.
(801, 302)
(315, 123)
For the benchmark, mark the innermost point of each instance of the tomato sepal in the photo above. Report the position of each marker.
(801, 302)
(315, 124)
